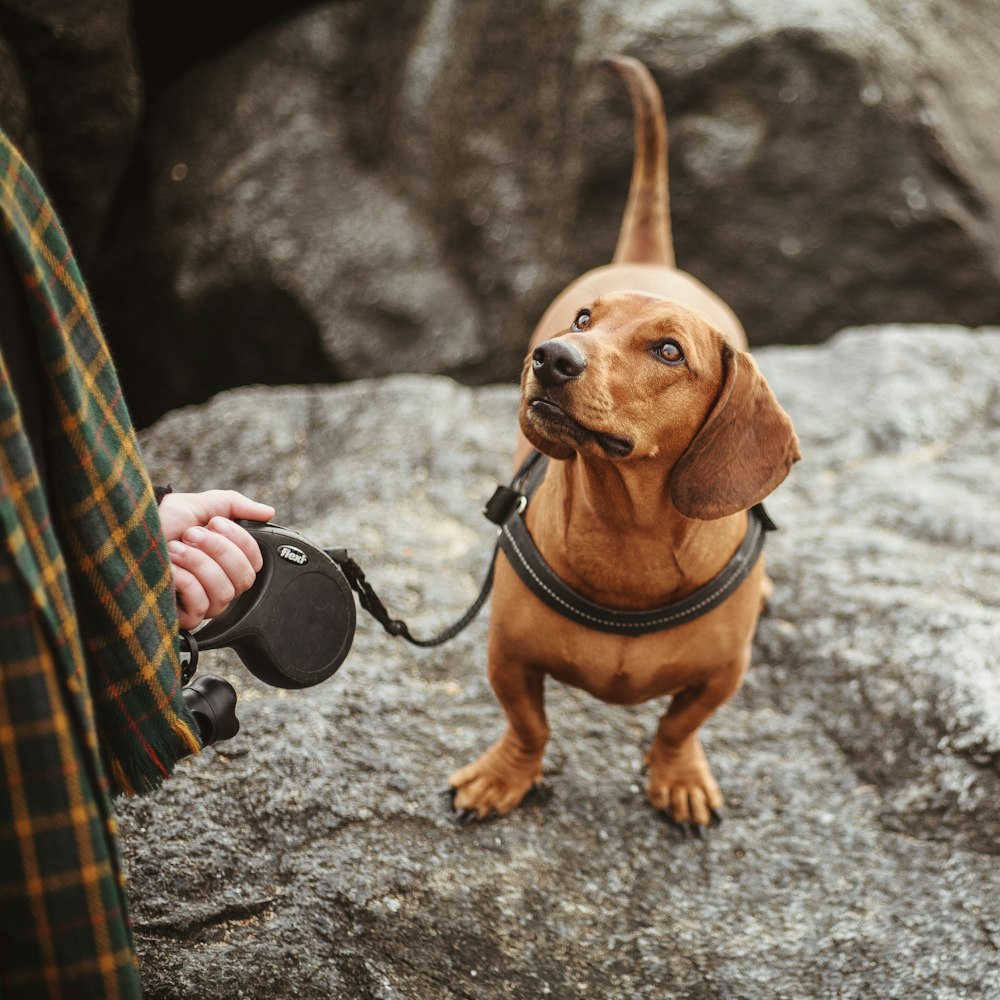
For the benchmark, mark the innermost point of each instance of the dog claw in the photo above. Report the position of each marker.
(716, 817)
(449, 793)
(465, 816)
(686, 830)
(668, 817)
(538, 792)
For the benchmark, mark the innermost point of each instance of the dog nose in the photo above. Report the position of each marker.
(555, 362)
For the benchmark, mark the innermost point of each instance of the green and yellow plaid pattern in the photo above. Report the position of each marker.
(89, 675)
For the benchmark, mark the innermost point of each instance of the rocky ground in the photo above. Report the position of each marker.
(314, 856)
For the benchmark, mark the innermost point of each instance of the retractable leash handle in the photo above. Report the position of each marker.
(294, 627)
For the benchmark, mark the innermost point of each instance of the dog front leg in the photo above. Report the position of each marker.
(500, 779)
(680, 781)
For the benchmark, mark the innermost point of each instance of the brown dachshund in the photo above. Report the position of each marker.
(661, 434)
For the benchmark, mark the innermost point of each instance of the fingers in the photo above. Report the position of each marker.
(180, 511)
(211, 567)
(232, 549)
(211, 590)
(192, 601)
(213, 559)
(242, 539)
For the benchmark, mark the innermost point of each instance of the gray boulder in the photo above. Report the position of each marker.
(315, 856)
(818, 152)
(404, 187)
(256, 184)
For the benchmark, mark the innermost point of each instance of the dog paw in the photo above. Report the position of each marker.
(681, 787)
(486, 789)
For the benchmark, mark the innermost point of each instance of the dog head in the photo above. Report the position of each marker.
(639, 379)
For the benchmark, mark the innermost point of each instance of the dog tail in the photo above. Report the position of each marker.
(645, 236)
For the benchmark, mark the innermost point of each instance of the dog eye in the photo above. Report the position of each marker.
(670, 352)
(582, 320)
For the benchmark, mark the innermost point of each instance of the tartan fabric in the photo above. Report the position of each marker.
(89, 675)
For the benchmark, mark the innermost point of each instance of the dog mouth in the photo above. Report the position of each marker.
(552, 416)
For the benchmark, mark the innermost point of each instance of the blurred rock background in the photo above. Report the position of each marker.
(317, 192)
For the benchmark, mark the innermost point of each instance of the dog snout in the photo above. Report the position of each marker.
(555, 362)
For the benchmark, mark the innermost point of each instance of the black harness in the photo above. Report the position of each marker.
(506, 508)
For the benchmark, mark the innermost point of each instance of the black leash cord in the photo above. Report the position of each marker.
(498, 508)
(370, 601)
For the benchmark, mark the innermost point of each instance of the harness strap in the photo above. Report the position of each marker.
(526, 560)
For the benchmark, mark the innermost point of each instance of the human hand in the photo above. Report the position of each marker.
(213, 559)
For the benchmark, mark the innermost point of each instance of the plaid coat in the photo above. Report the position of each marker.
(89, 675)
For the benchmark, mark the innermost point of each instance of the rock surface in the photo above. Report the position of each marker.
(314, 856)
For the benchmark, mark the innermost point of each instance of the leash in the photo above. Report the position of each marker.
(498, 507)
(506, 508)
(370, 601)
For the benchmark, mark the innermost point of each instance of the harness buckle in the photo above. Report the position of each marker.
(504, 503)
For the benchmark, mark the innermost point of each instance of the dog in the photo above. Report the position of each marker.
(661, 433)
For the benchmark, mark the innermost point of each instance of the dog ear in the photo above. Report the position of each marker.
(743, 450)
